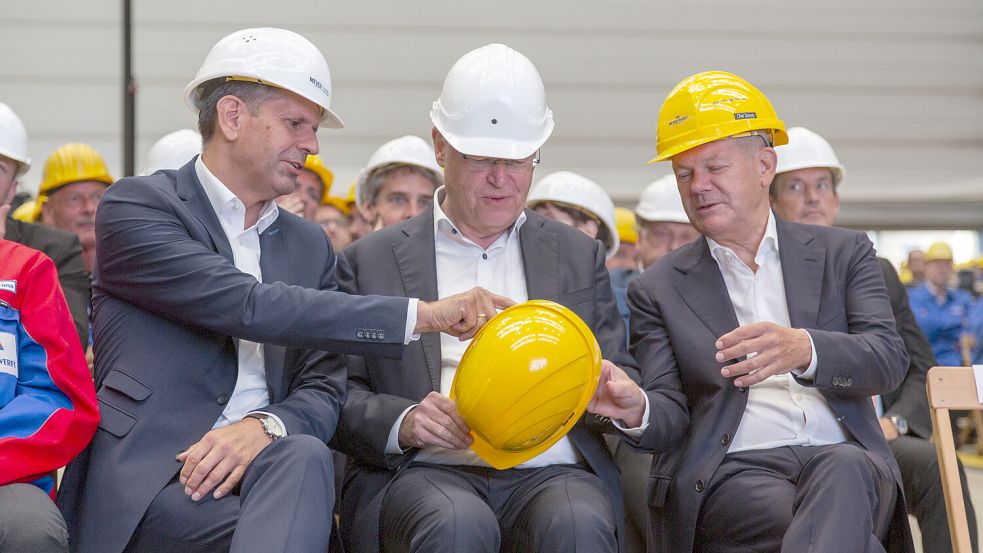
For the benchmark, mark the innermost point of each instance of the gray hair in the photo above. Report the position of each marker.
(207, 95)
(373, 184)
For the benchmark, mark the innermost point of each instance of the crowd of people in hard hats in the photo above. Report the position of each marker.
(228, 357)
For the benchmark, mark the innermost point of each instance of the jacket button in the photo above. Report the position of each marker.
(360, 333)
(382, 334)
(742, 390)
(223, 399)
(700, 486)
(725, 439)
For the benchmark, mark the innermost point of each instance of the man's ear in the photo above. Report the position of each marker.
(767, 161)
(438, 146)
(229, 109)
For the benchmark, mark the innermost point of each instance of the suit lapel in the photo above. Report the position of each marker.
(274, 262)
(189, 189)
(699, 282)
(803, 265)
(417, 264)
(539, 251)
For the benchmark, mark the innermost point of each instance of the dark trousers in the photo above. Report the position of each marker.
(283, 505)
(30, 522)
(436, 508)
(924, 498)
(823, 499)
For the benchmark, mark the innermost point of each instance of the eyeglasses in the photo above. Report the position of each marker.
(767, 136)
(477, 163)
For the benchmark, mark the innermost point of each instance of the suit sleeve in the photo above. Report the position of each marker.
(910, 401)
(870, 358)
(76, 285)
(52, 413)
(650, 345)
(367, 416)
(147, 257)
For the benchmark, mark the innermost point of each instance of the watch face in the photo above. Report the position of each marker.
(272, 427)
(901, 424)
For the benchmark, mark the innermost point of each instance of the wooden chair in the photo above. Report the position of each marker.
(951, 388)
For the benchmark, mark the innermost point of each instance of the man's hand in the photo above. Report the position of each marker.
(460, 315)
(292, 204)
(887, 427)
(617, 396)
(772, 349)
(4, 210)
(435, 421)
(221, 456)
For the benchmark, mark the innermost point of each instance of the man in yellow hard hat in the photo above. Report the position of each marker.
(916, 266)
(941, 310)
(413, 482)
(213, 309)
(806, 190)
(62, 247)
(313, 183)
(333, 216)
(75, 178)
(626, 256)
(777, 334)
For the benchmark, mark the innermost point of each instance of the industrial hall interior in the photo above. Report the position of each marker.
(626, 277)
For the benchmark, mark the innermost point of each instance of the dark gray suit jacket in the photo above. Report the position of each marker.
(680, 306)
(65, 250)
(909, 399)
(561, 264)
(169, 307)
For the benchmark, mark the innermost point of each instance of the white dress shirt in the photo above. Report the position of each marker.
(462, 265)
(251, 392)
(779, 410)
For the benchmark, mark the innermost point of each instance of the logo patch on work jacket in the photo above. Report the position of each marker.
(8, 354)
(9, 285)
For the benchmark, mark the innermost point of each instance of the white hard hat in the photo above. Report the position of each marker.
(493, 104)
(576, 191)
(405, 150)
(173, 151)
(806, 149)
(13, 139)
(275, 57)
(660, 202)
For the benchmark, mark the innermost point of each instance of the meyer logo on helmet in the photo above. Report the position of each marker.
(317, 84)
(746, 115)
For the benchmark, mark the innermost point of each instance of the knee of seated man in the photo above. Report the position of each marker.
(304, 447)
(36, 525)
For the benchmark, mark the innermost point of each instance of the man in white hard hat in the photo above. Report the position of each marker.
(579, 202)
(212, 313)
(806, 190)
(172, 151)
(413, 482)
(62, 247)
(399, 181)
(663, 224)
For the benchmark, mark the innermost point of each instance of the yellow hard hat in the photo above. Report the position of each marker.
(713, 105)
(73, 162)
(351, 195)
(937, 251)
(316, 166)
(905, 275)
(340, 204)
(624, 219)
(25, 211)
(525, 380)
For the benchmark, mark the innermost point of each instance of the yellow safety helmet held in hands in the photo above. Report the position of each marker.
(525, 380)
(713, 105)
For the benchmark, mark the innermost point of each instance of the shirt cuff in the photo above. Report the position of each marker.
(810, 372)
(411, 313)
(635, 433)
(274, 417)
(392, 444)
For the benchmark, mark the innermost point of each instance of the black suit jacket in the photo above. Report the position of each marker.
(169, 308)
(561, 264)
(65, 250)
(909, 399)
(680, 306)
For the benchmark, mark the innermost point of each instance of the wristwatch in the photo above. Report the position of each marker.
(900, 424)
(271, 426)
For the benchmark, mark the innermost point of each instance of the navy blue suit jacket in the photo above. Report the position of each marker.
(169, 307)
